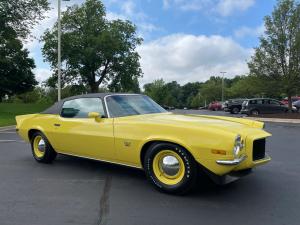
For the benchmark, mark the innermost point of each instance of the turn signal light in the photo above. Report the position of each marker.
(220, 152)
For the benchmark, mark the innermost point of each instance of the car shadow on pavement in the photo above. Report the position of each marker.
(204, 186)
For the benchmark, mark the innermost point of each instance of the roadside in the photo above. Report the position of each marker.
(8, 111)
(275, 120)
(294, 115)
(263, 118)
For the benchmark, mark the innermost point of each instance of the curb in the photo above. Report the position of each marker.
(275, 120)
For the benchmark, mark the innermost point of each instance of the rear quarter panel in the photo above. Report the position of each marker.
(41, 122)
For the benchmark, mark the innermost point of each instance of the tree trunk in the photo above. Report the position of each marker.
(94, 87)
(290, 102)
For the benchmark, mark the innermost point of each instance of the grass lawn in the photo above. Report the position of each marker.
(8, 111)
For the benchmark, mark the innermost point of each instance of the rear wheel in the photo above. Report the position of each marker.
(235, 110)
(254, 112)
(42, 150)
(170, 168)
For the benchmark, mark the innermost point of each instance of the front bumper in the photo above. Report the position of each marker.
(232, 162)
(226, 109)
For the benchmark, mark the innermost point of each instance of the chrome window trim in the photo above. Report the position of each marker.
(64, 101)
(105, 102)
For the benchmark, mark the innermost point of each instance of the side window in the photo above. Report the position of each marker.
(79, 108)
(259, 101)
(273, 102)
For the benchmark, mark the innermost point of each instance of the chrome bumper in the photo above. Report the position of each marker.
(232, 162)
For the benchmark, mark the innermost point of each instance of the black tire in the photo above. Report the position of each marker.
(190, 168)
(49, 153)
(235, 110)
(254, 112)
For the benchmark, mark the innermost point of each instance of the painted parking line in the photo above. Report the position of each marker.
(7, 128)
(7, 132)
(7, 141)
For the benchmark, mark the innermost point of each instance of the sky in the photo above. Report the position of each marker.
(184, 40)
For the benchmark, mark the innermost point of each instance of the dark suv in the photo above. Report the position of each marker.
(257, 106)
(234, 106)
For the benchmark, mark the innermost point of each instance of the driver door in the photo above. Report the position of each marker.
(76, 134)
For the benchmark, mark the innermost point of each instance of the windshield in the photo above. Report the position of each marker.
(127, 105)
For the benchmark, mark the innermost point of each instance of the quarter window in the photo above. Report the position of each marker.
(80, 107)
(272, 102)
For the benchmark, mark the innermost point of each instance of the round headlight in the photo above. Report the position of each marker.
(238, 145)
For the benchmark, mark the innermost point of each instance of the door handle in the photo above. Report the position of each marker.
(57, 124)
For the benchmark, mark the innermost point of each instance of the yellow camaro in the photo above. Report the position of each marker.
(133, 130)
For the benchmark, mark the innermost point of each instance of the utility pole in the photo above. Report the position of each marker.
(59, 49)
(223, 73)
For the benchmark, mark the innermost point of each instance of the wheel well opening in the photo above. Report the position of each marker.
(31, 132)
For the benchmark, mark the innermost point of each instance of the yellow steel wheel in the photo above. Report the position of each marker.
(39, 146)
(168, 167)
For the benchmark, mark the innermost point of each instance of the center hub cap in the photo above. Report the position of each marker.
(170, 165)
(41, 145)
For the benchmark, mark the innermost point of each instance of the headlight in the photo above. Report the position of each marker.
(238, 145)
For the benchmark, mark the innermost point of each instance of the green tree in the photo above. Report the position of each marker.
(190, 93)
(277, 59)
(156, 90)
(211, 90)
(173, 94)
(21, 15)
(15, 66)
(17, 17)
(95, 50)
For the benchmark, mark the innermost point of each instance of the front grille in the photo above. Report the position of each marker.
(259, 149)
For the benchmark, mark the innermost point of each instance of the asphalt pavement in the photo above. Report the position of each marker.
(74, 191)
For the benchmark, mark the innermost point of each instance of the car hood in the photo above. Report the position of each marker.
(231, 124)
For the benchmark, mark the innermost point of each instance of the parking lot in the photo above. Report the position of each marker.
(78, 191)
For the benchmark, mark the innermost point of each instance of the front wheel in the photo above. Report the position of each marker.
(170, 168)
(42, 150)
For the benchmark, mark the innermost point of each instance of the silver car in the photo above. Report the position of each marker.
(297, 105)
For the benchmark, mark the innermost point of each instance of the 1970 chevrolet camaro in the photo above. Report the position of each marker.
(133, 130)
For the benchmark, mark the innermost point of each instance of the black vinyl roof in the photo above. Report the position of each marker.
(56, 108)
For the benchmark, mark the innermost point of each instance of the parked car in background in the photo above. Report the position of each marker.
(168, 107)
(286, 100)
(297, 105)
(215, 105)
(233, 106)
(258, 106)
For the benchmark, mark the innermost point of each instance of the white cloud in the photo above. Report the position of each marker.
(42, 74)
(227, 7)
(128, 7)
(221, 7)
(186, 5)
(248, 31)
(186, 58)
